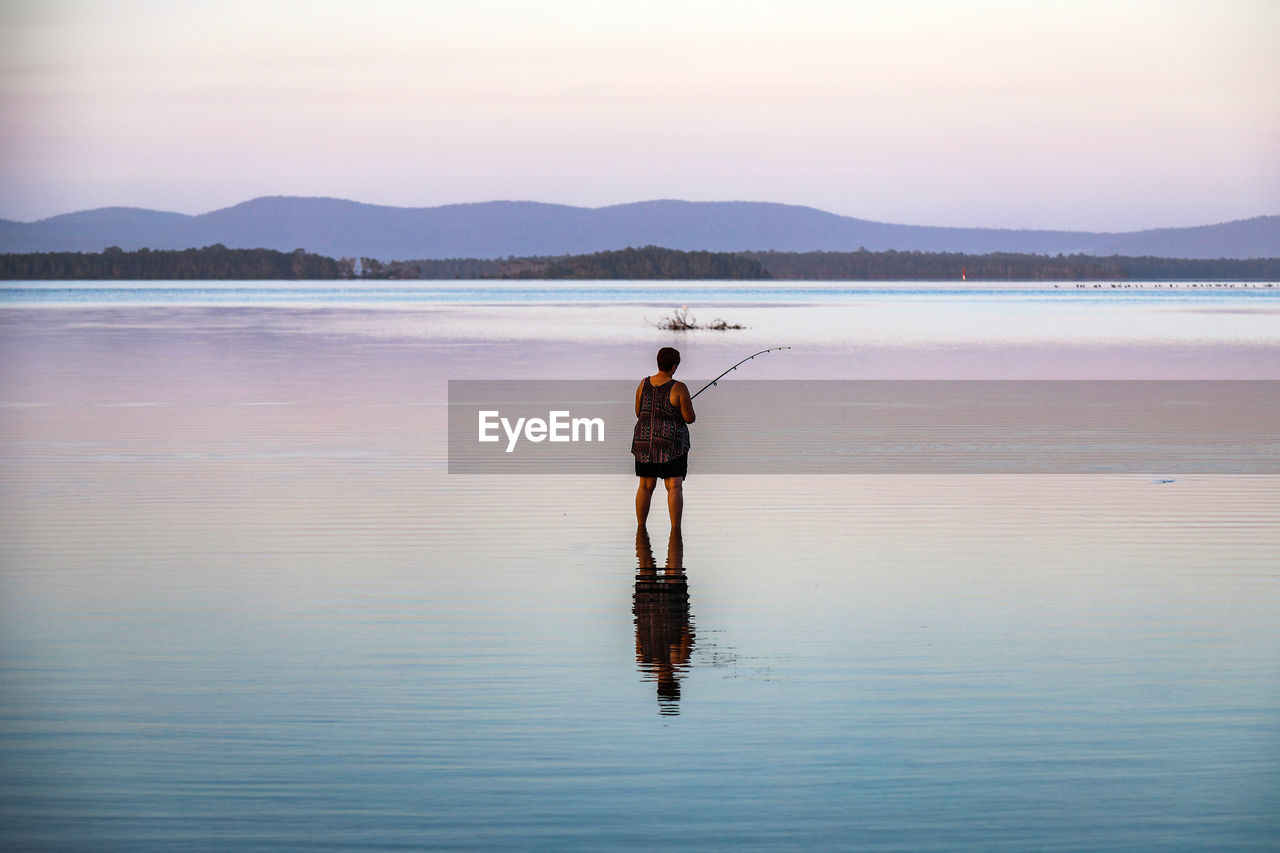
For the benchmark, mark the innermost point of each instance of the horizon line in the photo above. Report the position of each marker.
(634, 203)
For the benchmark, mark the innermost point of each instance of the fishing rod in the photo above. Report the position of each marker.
(735, 367)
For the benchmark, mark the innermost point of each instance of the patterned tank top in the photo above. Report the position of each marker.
(661, 434)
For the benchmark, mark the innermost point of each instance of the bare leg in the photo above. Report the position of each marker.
(644, 494)
(675, 500)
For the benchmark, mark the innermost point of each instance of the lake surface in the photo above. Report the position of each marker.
(243, 604)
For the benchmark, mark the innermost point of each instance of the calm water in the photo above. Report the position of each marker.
(243, 605)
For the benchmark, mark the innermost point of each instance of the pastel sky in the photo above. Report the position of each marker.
(1115, 115)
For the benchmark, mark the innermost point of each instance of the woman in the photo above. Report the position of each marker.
(660, 443)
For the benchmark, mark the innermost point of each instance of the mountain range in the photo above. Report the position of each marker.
(498, 229)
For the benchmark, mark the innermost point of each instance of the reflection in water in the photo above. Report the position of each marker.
(664, 631)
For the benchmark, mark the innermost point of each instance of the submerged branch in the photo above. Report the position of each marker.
(680, 320)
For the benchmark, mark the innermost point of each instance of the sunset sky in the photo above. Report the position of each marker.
(1116, 115)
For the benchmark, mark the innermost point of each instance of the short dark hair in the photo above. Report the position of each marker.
(668, 358)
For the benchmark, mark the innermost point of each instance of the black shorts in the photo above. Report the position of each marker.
(678, 467)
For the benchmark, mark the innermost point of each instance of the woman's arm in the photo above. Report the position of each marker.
(681, 399)
(639, 391)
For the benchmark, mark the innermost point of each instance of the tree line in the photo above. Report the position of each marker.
(211, 262)
(649, 262)
(935, 266)
(1001, 266)
(653, 262)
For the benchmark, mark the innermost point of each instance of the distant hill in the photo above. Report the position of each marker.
(497, 229)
